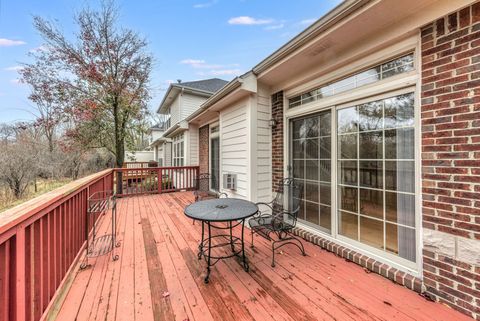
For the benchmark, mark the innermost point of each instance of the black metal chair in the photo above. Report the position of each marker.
(277, 225)
(206, 188)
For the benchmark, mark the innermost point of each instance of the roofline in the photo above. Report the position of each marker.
(338, 13)
(189, 89)
(227, 89)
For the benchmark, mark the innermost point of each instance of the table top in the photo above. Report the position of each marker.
(221, 210)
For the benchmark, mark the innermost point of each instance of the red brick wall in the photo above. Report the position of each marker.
(277, 140)
(203, 136)
(451, 159)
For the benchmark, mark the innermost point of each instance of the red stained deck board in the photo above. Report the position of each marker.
(156, 236)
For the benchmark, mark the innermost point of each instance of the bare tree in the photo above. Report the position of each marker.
(103, 73)
(19, 157)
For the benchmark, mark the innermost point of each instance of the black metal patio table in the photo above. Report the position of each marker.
(213, 213)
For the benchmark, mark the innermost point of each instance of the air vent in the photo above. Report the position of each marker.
(230, 181)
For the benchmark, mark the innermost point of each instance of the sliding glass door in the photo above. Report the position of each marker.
(311, 166)
(374, 177)
(215, 163)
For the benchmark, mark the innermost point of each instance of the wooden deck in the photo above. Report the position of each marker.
(158, 277)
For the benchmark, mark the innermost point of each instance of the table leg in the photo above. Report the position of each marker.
(200, 246)
(245, 263)
(231, 237)
(209, 252)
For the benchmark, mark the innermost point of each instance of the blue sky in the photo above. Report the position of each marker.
(189, 39)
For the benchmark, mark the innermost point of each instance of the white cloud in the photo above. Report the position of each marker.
(307, 21)
(199, 64)
(275, 27)
(246, 20)
(10, 43)
(206, 69)
(225, 72)
(37, 49)
(16, 81)
(205, 4)
(192, 62)
(14, 68)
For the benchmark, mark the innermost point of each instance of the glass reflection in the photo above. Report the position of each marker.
(347, 146)
(370, 116)
(371, 145)
(347, 120)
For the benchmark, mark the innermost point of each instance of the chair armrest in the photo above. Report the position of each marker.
(222, 194)
(266, 204)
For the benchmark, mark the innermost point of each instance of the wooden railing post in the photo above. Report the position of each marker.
(20, 259)
(160, 180)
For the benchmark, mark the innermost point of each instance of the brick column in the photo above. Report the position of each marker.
(277, 140)
(450, 110)
(203, 143)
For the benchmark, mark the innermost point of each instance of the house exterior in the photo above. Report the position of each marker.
(178, 144)
(374, 110)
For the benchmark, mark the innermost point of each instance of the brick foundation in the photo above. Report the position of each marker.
(370, 264)
(203, 143)
(451, 159)
(277, 140)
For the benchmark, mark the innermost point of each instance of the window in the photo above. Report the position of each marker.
(178, 150)
(376, 176)
(376, 73)
(311, 154)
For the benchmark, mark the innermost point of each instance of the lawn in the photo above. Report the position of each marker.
(7, 200)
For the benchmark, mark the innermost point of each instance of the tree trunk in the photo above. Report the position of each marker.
(119, 146)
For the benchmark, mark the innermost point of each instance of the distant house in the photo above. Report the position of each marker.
(178, 144)
(373, 109)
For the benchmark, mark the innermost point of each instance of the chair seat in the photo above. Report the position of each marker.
(265, 225)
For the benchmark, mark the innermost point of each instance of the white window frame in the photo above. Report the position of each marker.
(177, 145)
(210, 137)
(396, 85)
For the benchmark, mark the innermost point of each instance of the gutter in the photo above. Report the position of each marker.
(335, 15)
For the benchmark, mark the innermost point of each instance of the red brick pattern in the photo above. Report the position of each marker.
(277, 140)
(395, 275)
(451, 151)
(203, 142)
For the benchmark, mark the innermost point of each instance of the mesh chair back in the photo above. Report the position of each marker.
(202, 182)
(286, 204)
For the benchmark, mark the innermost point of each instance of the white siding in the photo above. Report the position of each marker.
(193, 145)
(189, 104)
(262, 150)
(175, 114)
(233, 146)
(167, 150)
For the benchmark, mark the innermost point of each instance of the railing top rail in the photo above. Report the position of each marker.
(152, 168)
(24, 211)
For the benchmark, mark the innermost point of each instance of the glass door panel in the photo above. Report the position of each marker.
(215, 163)
(375, 174)
(310, 155)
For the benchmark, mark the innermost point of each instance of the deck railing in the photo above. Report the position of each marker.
(42, 239)
(155, 180)
(139, 164)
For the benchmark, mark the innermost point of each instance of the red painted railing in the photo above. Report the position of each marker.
(139, 164)
(155, 180)
(40, 241)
